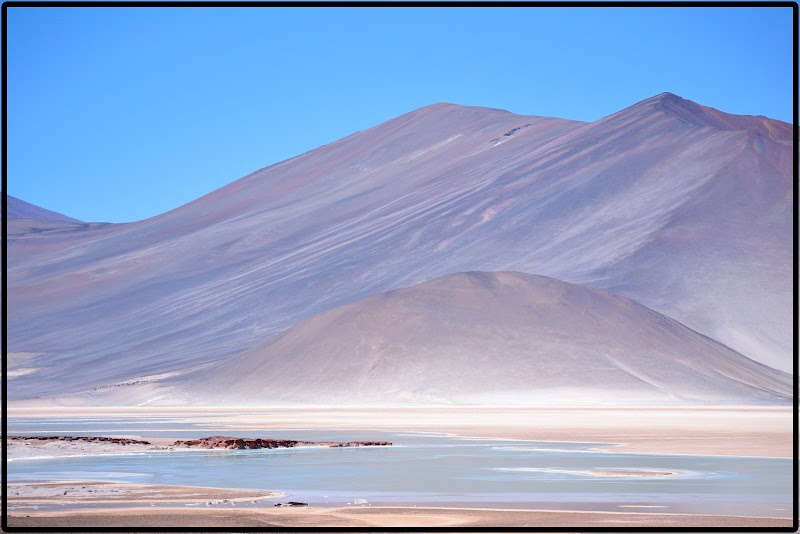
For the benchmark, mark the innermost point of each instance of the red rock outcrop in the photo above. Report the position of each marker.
(227, 442)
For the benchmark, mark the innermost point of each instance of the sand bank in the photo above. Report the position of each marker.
(23, 496)
(20, 449)
(375, 517)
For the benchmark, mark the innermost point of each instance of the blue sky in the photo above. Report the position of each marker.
(118, 114)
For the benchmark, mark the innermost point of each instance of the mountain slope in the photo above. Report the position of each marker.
(19, 209)
(488, 338)
(684, 209)
(192, 283)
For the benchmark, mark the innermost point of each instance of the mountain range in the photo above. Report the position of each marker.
(677, 211)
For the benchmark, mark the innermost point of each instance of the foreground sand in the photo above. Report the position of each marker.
(377, 517)
(138, 505)
(26, 495)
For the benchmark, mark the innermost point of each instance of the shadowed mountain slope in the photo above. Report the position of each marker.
(685, 209)
(489, 338)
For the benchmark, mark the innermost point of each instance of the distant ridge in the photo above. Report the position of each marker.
(19, 209)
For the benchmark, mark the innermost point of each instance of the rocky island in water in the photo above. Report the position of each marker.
(211, 442)
(226, 442)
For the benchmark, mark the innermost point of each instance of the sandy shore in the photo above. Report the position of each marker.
(25, 495)
(36, 505)
(19, 449)
(375, 517)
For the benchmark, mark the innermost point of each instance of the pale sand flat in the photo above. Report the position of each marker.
(138, 511)
(376, 517)
(95, 492)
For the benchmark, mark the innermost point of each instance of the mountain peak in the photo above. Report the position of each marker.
(690, 112)
(667, 96)
(447, 108)
(680, 107)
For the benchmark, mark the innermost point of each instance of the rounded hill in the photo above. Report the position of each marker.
(489, 338)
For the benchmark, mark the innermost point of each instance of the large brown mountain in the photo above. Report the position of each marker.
(682, 208)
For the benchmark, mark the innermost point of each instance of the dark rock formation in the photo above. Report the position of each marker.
(212, 442)
(227, 442)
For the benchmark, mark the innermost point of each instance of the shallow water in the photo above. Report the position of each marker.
(425, 468)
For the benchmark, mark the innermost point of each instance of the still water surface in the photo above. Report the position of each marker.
(425, 468)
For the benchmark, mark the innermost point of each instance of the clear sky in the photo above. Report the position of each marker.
(118, 114)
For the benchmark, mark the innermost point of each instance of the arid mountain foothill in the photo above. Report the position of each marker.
(489, 338)
(452, 255)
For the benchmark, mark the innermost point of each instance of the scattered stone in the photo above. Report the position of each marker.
(357, 444)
